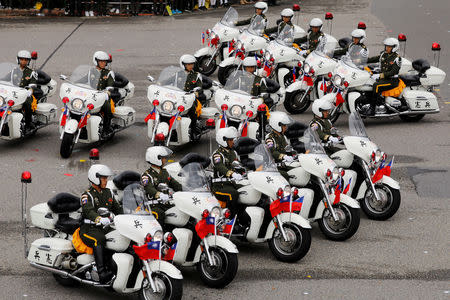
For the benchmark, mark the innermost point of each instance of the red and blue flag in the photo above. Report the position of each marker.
(151, 250)
(297, 204)
(151, 116)
(347, 188)
(229, 226)
(64, 116)
(205, 227)
(170, 252)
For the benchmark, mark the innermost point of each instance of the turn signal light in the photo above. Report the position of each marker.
(210, 123)
(227, 213)
(346, 84)
(90, 106)
(280, 192)
(181, 108)
(155, 102)
(342, 172)
(205, 214)
(249, 114)
(299, 64)
(295, 192)
(65, 100)
(148, 238)
(329, 173)
(224, 107)
(373, 155)
(168, 238)
(159, 137)
(262, 107)
(330, 74)
(312, 71)
(10, 103)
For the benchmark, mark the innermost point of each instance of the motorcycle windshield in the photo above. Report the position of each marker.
(263, 159)
(356, 125)
(312, 142)
(86, 75)
(356, 57)
(326, 46)
(230, 17)
(194, 179)
(285, 37)
(10, 73)
(173, 77)
(134, 200)
(240, 82)
(257, 26)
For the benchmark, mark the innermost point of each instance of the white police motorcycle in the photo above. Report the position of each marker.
(81, 120)
(135, 238)
(12, 98)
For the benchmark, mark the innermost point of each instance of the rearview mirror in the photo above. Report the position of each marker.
(63, 77)
(103, 212)
(163, 187)
(150, 78)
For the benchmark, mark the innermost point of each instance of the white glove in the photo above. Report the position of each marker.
(303, 52)
(333, 139)
(164, 197)
(288, 158)
(104, 221)
(236, 176)
(375, 76)
(29, 93)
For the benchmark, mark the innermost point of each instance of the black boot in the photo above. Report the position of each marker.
(107, 130)
(103, 273)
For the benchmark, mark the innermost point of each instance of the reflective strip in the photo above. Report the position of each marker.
(224, 194)
(91, 238)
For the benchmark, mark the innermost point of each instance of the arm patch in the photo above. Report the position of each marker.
(144, 180)
(217, 158)
(269, 143)
(314, 126)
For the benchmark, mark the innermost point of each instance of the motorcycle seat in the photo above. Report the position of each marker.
(195, 158)
(67, 224)
(126, 178)
(64, 203)
(411, 80)
(43, 78)
(245, 145)
(272, 86)
(120, 81)
(248, 162)
(295, 130)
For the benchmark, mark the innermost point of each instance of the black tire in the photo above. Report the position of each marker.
(334, 116)
(411, 118)
(224, 73)
(350, 226)
(385, 208)
(297, 249)
(293, 104)
(206, 70)
(67, 143)
(171, 289)
(66, 281)
(218, 276)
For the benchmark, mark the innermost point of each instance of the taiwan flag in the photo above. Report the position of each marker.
(229, 226)
(337, 194)
(170, 252)
(205, 227)
(308, 80)
(151, 116)
(339, 98)
(150, 250)
(347, 187)
(387, 168)
(64, 116)
(267, 69)
(378, 173)
(280, 205)
(223, 120)
(297, 204)
(83, 121)
(323, 86)
(244, 128)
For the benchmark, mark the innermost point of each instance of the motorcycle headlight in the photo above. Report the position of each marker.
(2, 101)
(236, 111)
(267, 56)
(168, 106)
(77, 104)
(215, 212)
(287, 191)
(306, 68)
(158, 236)
(378, 155)
(239, 45)
(337, 80)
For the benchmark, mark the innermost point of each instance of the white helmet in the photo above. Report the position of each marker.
(316, 22)
(261, 5)
(100, 55)
(360, 34)
(393, 42)
(24, 54)
(224, 134)
(154, 155)
(287, 12)
(319, 106)
(278, 119)
(97, 171)
(187, 59)
(249, 62)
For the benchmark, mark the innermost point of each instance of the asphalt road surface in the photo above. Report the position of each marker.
(405, 257)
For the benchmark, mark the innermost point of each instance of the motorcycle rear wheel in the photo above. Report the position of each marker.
(203, 68)
(170, 288)
(224, 73)
(412, 118)
(293, 104)
(221, 275)
(294, 249)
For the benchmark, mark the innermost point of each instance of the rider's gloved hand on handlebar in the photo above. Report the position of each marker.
(303, 52)
(375, 76)
(334, 140)
(288, 158)
(236, 176)
(104, 221)
(164, 197)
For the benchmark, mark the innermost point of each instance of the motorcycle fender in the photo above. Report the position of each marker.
(150, 125)
(298, 85)
(349, 175)
(165, 267)
(347, 200)
(288, 218)
(183, 131)
(229, 61)
(281, 73)
(319, 211)
(71, 126)
(385, 179)
(256, 219)
(184, 240)
(93, 125)
(124, 264)
(351, 99)
(252, 130)
(219, 241)
(205, 51)
(163, 128)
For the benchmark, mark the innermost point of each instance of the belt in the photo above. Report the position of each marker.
(220, 180)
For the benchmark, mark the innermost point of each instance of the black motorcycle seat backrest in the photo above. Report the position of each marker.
(195, 158)
(272, 86)
(344, 42)
(120, 81)
(298, 146)
(295, 130)
(421, 65)
(64, 203)
(245, 145)
(126, 178)
(206, 83)
(43, 78)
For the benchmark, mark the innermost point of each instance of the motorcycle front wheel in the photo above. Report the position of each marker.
(168, 288)
(385, 207)
(221, 274)
(296, 102)
(204, 68)
(295, 248)
(67, 143)
(346, 225)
